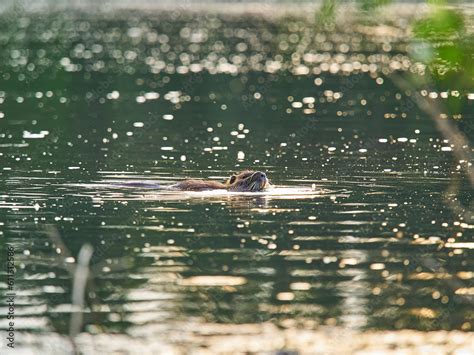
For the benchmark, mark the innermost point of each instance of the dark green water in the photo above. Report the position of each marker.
(361, 233)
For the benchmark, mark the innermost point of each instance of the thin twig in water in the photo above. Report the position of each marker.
(55, 237)
(461, 148)
(461, 151)
(81, 275)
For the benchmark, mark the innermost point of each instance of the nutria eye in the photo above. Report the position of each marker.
(232, 179)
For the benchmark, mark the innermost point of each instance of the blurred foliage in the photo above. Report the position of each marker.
(326, 15)
(439, 40)
(368, 5)
(450, 50)
(440, 24)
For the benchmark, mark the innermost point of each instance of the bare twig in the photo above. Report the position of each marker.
(81, 275)
(461, 148)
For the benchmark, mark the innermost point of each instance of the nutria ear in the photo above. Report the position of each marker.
(232, 179)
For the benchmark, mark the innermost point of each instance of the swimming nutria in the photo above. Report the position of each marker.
(245, 181)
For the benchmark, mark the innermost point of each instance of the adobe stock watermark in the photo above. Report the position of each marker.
(10, 295)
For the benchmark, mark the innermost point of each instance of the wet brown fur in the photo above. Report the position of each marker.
(238, 182)
(199, 185)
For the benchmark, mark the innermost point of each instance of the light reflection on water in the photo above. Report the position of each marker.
(343, 251)
(356, 231)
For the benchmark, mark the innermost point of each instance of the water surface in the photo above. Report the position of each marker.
(359, 230)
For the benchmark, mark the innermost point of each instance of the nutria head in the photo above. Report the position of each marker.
(247, 181)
